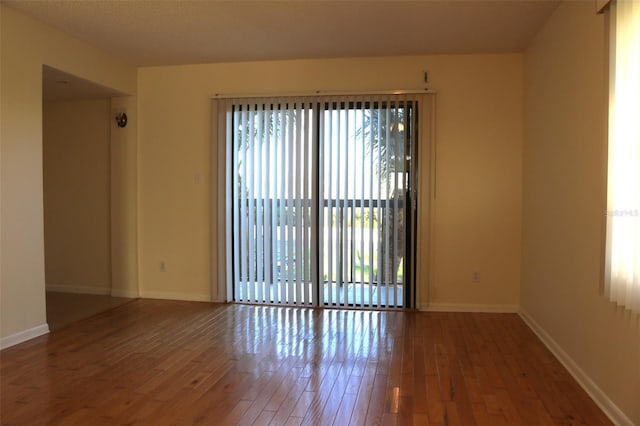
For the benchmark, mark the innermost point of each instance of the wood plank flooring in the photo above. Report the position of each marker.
(66, 308)
(153, 362)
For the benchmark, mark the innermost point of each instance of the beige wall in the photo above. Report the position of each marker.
(124, 199)
(76, 177)
(25, 46)
(563, 205)
(479, 148)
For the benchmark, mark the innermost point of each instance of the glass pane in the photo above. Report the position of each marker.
(272, 196)
(363, 187)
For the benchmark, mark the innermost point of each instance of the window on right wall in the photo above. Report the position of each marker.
(622, 270)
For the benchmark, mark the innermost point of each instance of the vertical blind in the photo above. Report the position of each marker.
(272, 180)
(365, 157)
(319, 193)
(622, 271)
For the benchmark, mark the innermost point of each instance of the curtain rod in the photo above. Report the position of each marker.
(321, 93)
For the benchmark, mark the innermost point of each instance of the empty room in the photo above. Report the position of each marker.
(320, 212)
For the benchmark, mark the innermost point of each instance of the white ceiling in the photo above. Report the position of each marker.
(167, 32)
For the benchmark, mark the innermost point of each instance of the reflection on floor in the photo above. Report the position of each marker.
(157, 362)
(65, 308)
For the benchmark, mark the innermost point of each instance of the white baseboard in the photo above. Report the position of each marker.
(589, 386)
(102, 291)
(189, 297)
(463, 307)
(23, 336)
(131, 294)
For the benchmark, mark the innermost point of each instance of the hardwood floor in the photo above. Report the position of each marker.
(66, 308)
(153, 362)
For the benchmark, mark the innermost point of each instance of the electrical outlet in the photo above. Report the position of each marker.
(163, 266)
(475, 277)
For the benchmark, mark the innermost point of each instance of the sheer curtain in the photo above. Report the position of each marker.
(622, 273)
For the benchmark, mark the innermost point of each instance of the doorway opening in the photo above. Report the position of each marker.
(76, 119)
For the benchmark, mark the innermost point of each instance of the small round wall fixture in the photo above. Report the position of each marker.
(121, 119)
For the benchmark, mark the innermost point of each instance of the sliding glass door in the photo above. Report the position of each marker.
(365, 177)
(273, 169)
(321, 200)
